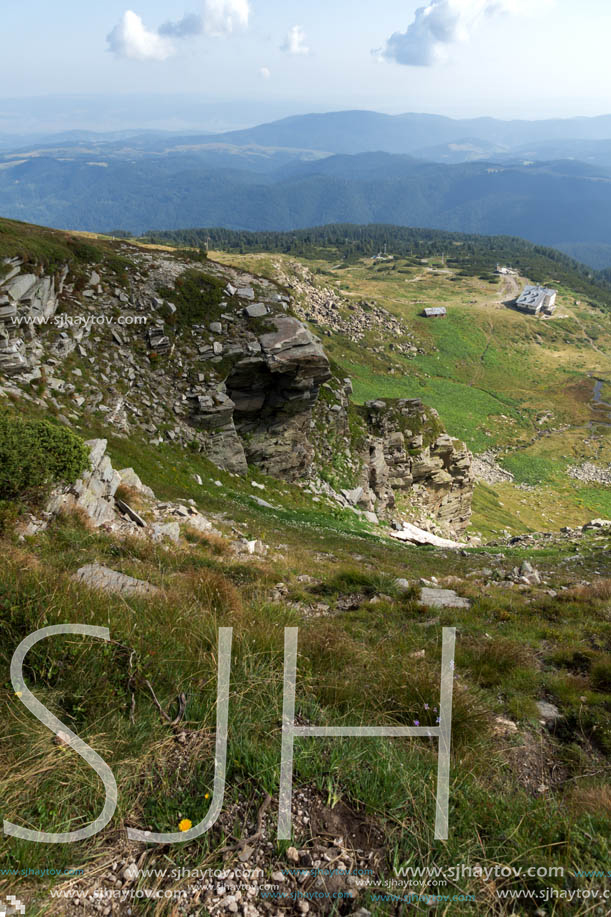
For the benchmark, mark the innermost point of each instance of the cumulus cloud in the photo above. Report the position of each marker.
(296, 41)
(442, 23)
(222, 17)
(265, 73)
(189, 25)
(131, 39)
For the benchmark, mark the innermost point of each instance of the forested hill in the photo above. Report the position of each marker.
(470, 254)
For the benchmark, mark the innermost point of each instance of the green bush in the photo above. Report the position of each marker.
(197, 298)
(36, 454)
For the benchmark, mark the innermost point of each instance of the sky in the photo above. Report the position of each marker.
(262, 59)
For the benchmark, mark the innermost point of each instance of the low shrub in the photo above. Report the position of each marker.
(35, 455)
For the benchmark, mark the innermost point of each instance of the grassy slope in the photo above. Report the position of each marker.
(354, 666)
(531, 641)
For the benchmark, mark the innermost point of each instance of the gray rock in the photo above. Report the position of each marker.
(353, 496)
(257, 310)
(402, 585)
(548, 713)
(169, 530)
(443, 598)
(260, 502)
(200, 524)
(13, 359)
(131, 872)
(98, 577)
(8, 311)
(598, 524)
(158, 340)
(130, 479)
(94, 491)
(216, 327)
(19, 288)
(126, 509)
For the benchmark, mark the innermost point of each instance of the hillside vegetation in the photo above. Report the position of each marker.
(531, 720)
(195, 181)
(470, 255)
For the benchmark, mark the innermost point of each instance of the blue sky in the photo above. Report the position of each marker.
(533, 58)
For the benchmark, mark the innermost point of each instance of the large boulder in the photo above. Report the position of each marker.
(98, 577)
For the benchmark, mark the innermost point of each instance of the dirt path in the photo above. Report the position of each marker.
(511, 289)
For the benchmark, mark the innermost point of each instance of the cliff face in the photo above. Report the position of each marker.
(394, 458)
(215, 359)
(410, 460)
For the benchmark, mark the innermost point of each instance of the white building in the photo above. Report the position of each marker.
(535, 300)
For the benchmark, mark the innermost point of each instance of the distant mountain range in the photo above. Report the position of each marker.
(367, 131)
(547, 181)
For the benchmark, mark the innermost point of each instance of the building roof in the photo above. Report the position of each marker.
(532, 297)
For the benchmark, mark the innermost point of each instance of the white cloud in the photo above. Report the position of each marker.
(265, 73)
(222, 17)
(190, 24)
(442, 23)
(131, 39)
(295, 41)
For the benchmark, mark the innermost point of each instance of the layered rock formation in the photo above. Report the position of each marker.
(402, 463)
(262, 412)
(409, 454)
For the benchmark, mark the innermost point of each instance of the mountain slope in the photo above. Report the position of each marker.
(565, 202)
(161, 547)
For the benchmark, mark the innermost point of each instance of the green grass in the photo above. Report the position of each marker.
(532, 469)
(51, 250)
(356, 667)
(596, 499)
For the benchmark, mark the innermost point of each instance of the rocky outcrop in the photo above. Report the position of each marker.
(27, 301)
(590, 473)
(487, 469)
(333, 314)
(414, 535)
(95, 496)
(93, 493)
(408, 461)
(274, 392)
(261, 414)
